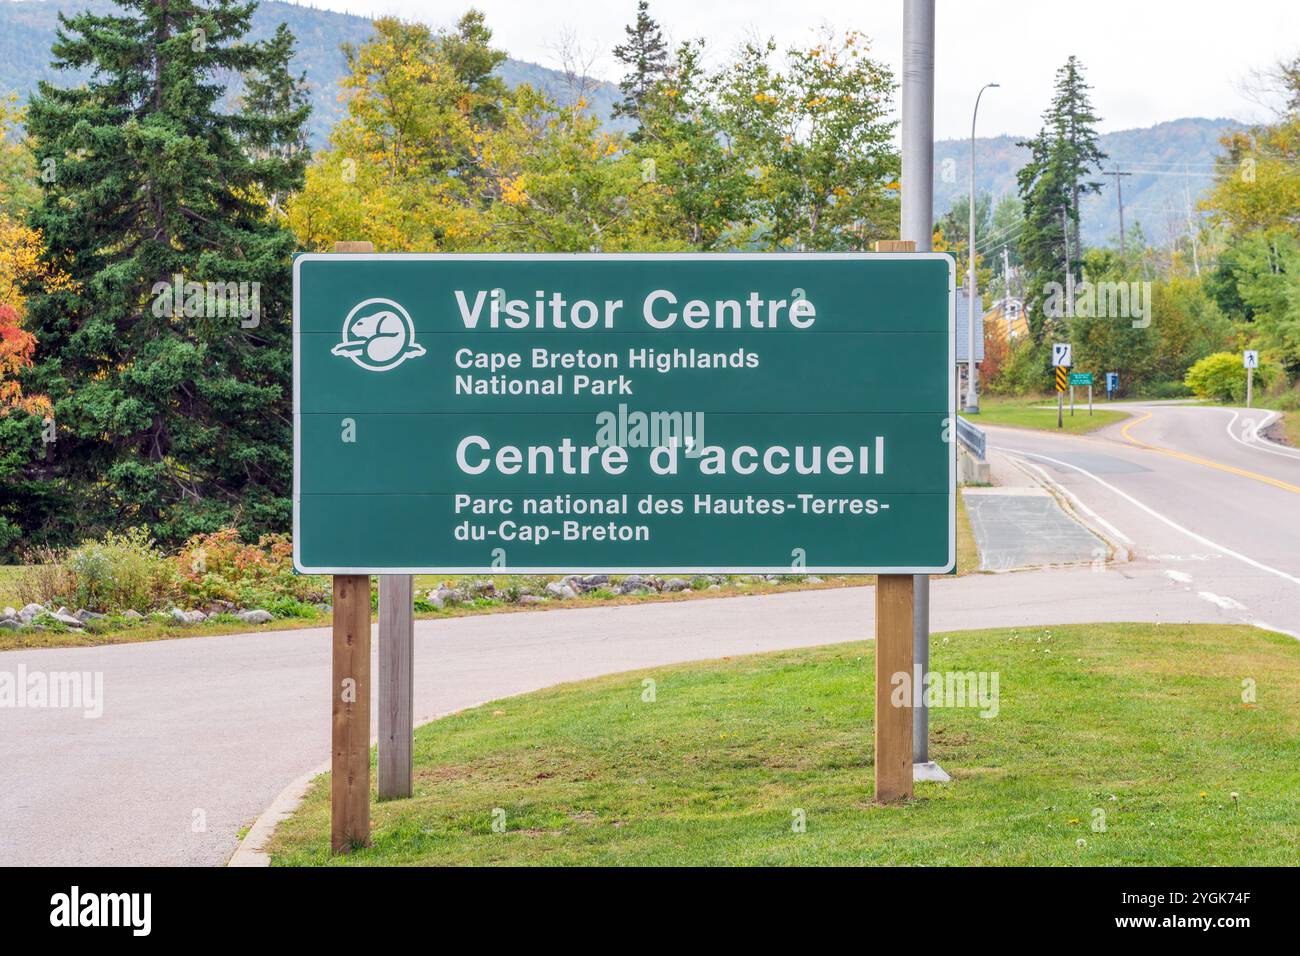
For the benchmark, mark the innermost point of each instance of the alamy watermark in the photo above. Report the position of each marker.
(133, 911)
(637, 429)
(973, 689)
(62, 690)
(1098, 300)
(209, 300)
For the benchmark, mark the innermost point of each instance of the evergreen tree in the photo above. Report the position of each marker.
(171, 412)
(1075, 137)
(645, 54)
(955, 223)
(281, 98)
(1062, 157)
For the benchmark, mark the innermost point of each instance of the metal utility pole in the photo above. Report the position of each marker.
(917, 224)
(1119, 196)
(1191, 230)
(972, 374)
(917, 216)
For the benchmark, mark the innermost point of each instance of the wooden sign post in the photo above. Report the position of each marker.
(894, 610)
(396, 686)
(350, 750)
(895, 617)
(350, 743)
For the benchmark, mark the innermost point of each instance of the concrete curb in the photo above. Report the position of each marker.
(251, 850)
(1269, 422)
(1119, 553)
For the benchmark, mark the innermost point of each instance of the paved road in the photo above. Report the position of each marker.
(1191, 490)
(197, 736)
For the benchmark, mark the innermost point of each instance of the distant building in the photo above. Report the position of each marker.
(1006, 319)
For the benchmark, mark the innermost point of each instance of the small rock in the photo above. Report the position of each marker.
(715, 587)
(221, 607)
(561, 590)
(63, 617)
(10, 623)
(435, 598)
(592, 581)
(9, 613)
(256, 616)
(677, 584)
(812, 578)
(188, 617)
(30, 611)
(133, 615)
(635, 584)
(531, 599)
(83, 615)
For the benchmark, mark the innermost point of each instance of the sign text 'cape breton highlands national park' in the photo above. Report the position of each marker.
(535, 413)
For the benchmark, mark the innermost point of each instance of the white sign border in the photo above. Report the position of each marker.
(948, 567)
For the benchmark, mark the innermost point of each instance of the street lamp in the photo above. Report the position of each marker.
(972, 383)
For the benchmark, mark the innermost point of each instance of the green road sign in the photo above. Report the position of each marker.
(536, 413)
(1080, 378)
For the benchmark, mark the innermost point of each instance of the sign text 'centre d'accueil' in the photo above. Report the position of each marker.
(769, 413)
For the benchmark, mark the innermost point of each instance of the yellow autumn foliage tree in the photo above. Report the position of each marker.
(400, 168)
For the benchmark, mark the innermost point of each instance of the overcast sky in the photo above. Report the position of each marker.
(1148, 60)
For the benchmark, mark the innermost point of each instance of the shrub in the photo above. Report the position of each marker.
(44, 579)
(127, 572)
(1027, 371)
(1166, 390)
(1222, 378)
(221, 567)
(1287, 401)
(118, 572)
(290, 607)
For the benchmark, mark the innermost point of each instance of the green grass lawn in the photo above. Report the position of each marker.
(1290, 430)
(9, 585)
(1291, 427)
(1033, 413)
(1143, 723)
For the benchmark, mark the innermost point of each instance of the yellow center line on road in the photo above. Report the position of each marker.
(1276, 483)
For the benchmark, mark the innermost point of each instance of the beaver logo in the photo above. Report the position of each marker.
(378, 335)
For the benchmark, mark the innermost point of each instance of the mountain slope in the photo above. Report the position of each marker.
(1156, 194)
(27, 29)
(1170, 165)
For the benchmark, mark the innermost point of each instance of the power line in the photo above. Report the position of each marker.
(1119, 195)
(999, 234)
(1003, 236)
